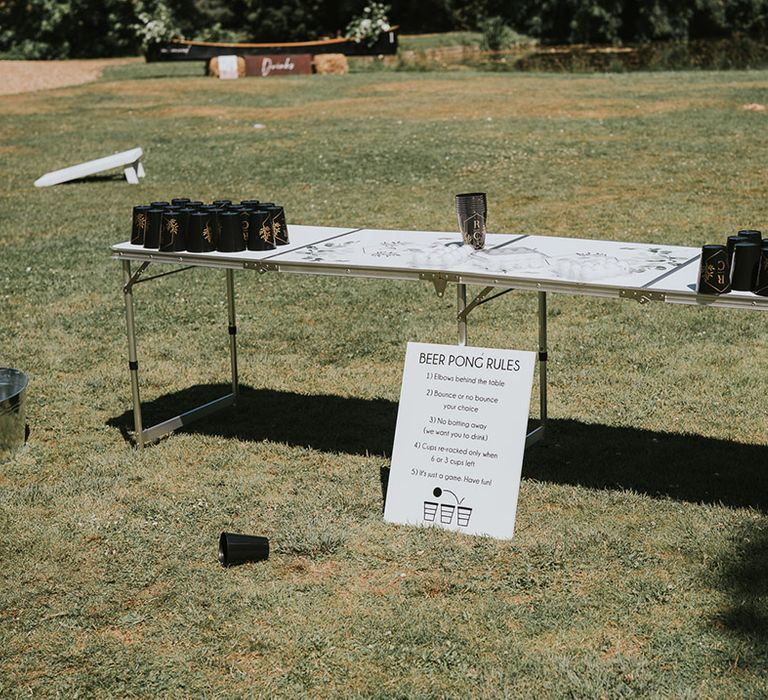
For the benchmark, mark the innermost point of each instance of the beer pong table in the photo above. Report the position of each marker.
(543, 264)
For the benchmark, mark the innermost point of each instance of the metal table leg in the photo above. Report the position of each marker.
(232, 331)
(461, 303)
(133, 364)
(543, 356)
(539, 432)
(154, 432)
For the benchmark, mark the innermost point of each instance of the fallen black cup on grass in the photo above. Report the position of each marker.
(238, 549)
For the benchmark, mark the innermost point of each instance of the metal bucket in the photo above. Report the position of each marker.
(13, 427)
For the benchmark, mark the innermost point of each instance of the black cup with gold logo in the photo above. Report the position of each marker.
(173, 235)
(252, 203)
(260, 233)
(231, 238)
(746, 261)
(714, 270)
(169, 229)
(221, 202)
(201, 232)
(139, 224)
(154, 222)
(279, 226)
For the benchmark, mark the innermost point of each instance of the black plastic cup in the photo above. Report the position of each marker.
(279, 226)
(221, 202)
(170, 228)
(173, 235)
(732, 241)
(139, 224)
(201, 232)
(714, 270)
(260, 233)
(231, 237)
(761, 286)
(751, 235)
(250, 202)
(154, 223)
(195, 203)
(238, 549)
(160, 205)
(180, 201)
(746, 261)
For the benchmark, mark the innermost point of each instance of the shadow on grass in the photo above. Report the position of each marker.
(683, 467)
(107, 177)
(743, 574)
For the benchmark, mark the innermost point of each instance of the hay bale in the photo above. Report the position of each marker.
(331, 64)
(213, 67)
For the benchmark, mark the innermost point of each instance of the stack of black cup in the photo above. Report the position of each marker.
(740, 265)
(186, 225)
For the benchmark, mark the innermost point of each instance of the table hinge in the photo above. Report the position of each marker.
(261, 266)
(439, 279)
(642, 295)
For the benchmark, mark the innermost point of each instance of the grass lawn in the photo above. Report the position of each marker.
(639, 566)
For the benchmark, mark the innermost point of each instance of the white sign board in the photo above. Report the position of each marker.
(460, 437)
(228, 68)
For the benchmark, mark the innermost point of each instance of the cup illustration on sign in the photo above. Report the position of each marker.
(447, 510)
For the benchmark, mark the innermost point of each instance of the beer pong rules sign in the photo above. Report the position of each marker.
(460, 437)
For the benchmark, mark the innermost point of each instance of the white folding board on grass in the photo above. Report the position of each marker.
(129, 161)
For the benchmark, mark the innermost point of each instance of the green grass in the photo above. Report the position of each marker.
(424, 42)
(640, 560)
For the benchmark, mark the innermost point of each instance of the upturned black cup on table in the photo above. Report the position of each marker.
(231, 236)
(170, 227)
(221, 202)
(279, 225)
(154, 223)
(160, 205)
(180, 202)
(250, 202)
(260, 233)
(139, 224)
(745, 265)
(761, 285)
(730, 242)
(173, 236)
(201, 232)
(751, 235)
(238, 549)
(714, 270)
(472, 215)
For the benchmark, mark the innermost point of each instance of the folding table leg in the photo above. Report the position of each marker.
(232, 331)
(133, 364)
(543, 357)
(461, 302)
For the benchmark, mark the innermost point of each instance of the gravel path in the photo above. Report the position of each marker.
(28, 76)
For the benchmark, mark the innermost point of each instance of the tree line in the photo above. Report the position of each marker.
(91, 28)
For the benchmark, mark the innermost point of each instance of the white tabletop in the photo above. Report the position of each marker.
(543, 263)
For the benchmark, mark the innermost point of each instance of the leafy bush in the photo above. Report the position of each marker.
(497, 35)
